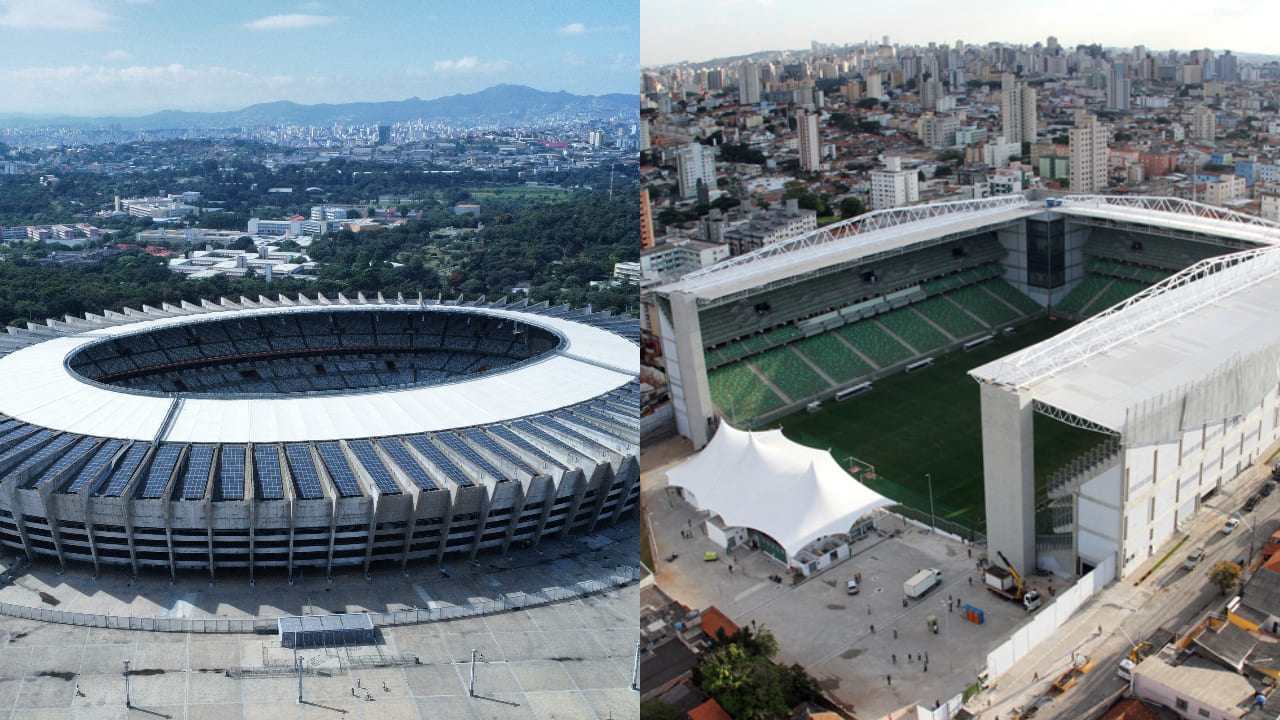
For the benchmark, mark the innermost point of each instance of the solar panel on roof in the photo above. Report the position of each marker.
(561, 428)
(162, 465)
(25, 446)
(455, 443)
(71, 457)
(446, 465)
(266, 467)
(125, 468)
(305, 478)
(373, 465)
(506, 434)
(529, 428)
(95, 465)
(199, 460)
(231, 474)
(408, 464)
(344, 478)
(478, 437)
(54, 447)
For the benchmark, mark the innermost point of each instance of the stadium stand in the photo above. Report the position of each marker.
(950, 317)
(1074, 302)
(740, 392)
(989, 308)
(1118, 291)
(789, 373)
(873, 341)
(907, 324)
(1011, 295)
(835, 358)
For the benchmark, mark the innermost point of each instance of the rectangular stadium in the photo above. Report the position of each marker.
(1086, 368)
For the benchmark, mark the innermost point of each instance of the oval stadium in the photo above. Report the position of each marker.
(314, 432)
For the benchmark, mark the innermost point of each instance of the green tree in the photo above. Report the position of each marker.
(851, 207)
(868, 103)
(746, 686)
(1225, 575)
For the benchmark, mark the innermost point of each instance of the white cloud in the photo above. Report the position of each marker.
(294, 21)
(98, 89)
(117, 54)
(53, 15)
(470, 64)
(581, 29)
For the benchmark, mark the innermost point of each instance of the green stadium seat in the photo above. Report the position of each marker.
(789, 373)
(907, 324)
(950, 317)
(985, 305)
(740, 394)
(834, 357)
(1081, 295)
(874, 342)
(1011, 295)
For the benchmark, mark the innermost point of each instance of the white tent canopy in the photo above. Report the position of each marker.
(761, 480)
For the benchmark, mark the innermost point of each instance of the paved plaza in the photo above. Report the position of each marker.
(829, 632)
(573, 659)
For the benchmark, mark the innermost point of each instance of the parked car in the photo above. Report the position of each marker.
(852, 586)
(1267, 488)
(1251, 503)
(1193, 559)
(1229, 526)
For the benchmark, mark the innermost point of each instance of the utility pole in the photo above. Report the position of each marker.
(635, 671)
(929, 477)
(128, 703)
(297, 663)
(472, 690)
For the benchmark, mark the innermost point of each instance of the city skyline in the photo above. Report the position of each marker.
(674, 31)
(134, 57)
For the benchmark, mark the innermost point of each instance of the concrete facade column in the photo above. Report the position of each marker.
(1008, 462)
(682, 346)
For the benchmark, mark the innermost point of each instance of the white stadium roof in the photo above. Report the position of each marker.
(897, 229)
(42, 390)
(1168, 337)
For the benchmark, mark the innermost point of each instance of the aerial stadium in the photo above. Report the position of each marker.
(1126, 367)
(309, 433)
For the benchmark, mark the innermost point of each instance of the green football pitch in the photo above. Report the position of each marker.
(930, 422)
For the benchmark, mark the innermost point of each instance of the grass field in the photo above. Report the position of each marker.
(520, 191)
(930, 422)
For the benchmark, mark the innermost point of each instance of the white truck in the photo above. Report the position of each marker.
(922, 582)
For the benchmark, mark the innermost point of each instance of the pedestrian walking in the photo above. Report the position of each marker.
(888, 679)
(970, 552)
(970, 579)
(357, 682)
(926, 666)
(730, 569)
(926, 657)
(353, 692)
(908, 658)
(894, 657)
(873, 629)
(1035, 676)
(895, 633)
(868, 608)
(904, 602)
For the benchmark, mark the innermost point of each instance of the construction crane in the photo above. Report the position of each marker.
(1008, 584)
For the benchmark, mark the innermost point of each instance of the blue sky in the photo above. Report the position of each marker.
(132, 57)
(676, 30)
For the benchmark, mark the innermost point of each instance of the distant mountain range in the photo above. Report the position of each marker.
(500, 104)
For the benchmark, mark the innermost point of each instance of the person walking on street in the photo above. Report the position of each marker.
(868, 608)
(895, 658)
(888, 679)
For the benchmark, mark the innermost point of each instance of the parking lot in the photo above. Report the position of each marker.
(571, 660)
(829, 632)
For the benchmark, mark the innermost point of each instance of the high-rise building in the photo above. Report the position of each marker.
(695, 162)
(1088, 154)
(893, 186)
(996, 152)
(748, 84)
(1117, 87)
(810, 141)
(646, 220)
(1017, 110)
(938, 131)
(873, 84)
(1225, 67)
(1203, 123)
(931, 92)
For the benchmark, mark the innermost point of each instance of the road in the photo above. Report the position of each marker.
(1173, 598)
